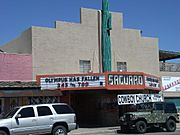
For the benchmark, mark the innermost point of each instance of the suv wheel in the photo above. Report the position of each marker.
(2, 132)
(59, 130)
(171, 125)
(141, 126)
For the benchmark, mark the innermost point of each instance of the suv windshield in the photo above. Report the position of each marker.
(11, 113)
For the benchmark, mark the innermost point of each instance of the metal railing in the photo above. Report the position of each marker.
(169, 67)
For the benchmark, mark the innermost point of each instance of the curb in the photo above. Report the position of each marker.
(88, 131)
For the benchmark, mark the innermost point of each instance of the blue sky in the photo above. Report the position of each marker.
(156, 18)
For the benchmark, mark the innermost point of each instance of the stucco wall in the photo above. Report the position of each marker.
(21, 44)
(140, 53)
(58, 50)
(175, 74)
(15, 67)
(68, 43)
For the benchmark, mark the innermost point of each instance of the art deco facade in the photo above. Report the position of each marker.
(60, 49)
(70, 49)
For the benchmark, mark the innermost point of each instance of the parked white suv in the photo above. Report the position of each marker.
(55, 119)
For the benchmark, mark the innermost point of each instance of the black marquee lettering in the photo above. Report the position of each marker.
(47, 80)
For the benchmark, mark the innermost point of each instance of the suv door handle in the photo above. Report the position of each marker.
(51, 118)
(33, 120)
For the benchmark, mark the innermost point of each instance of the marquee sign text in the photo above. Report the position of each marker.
(125, 79)
(138, 98)
(72, 82)
(152, 82)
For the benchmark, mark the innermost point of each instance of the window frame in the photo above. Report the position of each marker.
(40, 107)
(84, 66)
(121, 66)
(170, 108)
(26, 113)
(69, 111)
(159, 106)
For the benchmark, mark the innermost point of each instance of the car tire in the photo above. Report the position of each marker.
(141, 126)
(2, 132)
(170, 125)
(59, 130)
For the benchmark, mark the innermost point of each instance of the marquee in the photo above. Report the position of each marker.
(106, 81)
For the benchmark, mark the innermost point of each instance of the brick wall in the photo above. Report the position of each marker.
(15, 67)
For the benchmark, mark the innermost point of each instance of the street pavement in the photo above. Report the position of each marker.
(90, 131)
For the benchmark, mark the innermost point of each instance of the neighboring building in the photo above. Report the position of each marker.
(170, 74)
(17, 93)
(16, 85)
(72, 50)
(14, 67)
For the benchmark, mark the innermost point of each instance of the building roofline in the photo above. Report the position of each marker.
(168, 55)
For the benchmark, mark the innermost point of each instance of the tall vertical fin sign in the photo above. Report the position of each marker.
(106, 41)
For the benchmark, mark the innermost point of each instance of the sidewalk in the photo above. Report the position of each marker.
(88, 131)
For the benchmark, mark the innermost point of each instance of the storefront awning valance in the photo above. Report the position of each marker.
(29, 93)
(19, 85)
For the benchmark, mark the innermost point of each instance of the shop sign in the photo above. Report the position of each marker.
(171, 83)
(152, 82)
(120, 79)
(58, 82)
(138, 98)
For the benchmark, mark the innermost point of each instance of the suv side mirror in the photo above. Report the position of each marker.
(18, 116)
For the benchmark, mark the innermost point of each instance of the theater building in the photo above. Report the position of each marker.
(68, 57)
(76, 47)
(94, 95)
